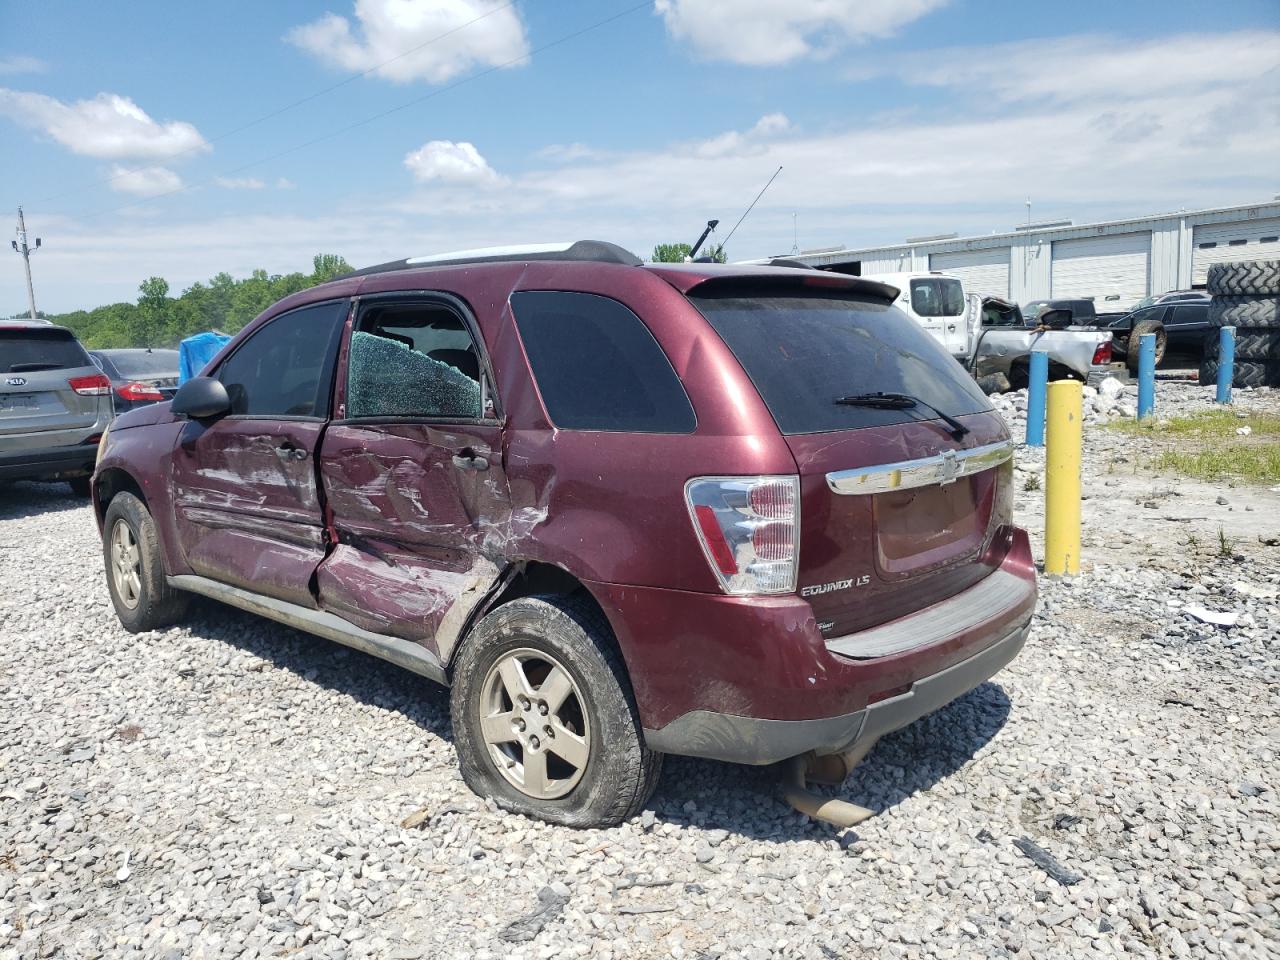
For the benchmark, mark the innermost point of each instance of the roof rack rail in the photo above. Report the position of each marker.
(597, 251)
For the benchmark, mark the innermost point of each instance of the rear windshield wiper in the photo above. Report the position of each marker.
(901, 401)
(32, 367)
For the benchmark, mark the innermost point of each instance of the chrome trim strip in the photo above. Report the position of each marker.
(947, 467)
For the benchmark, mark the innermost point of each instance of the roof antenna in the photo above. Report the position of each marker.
(725, 241)
(795, 235)
(711, 225)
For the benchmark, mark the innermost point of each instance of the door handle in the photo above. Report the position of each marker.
(469, 460)
(288, 451)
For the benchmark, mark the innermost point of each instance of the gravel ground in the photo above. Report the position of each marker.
(237, 789)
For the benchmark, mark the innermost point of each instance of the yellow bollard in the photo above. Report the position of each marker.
(1062, 479)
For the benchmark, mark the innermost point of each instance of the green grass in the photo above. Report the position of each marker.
(1252, 463)
(1211, 424)
(1208, 447)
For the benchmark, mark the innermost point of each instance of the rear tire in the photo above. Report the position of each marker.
(583, 763)
(1146, 326)
(135, 568)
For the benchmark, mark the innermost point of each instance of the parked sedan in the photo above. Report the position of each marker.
(1180, 326)
(138, 377)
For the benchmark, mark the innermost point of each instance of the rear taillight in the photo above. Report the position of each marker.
(749, 530)
(96, 386)
(139, 391)
(1102, 356)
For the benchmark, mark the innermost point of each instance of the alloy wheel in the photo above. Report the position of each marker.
(126, 564)
(534, 722)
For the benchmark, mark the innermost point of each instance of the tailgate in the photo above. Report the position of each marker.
(883, 535)
(900, 504)
(37, 369)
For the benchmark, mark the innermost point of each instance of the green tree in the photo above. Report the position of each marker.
(327, 266)
(671, 252)
(224, 303)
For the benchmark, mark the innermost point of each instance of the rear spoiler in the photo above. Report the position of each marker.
(742, 278)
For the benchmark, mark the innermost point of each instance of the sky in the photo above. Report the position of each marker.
(181, 140)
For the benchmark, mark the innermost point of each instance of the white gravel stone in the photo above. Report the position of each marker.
(232, 788)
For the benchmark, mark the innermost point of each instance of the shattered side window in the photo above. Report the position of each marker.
(388, 378)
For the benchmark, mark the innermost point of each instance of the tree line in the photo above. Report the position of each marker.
(227, 304)
(224, 303)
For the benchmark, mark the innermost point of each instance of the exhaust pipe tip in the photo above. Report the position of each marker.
(839, 813)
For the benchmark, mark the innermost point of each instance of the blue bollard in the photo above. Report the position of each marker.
(1039, 378)
(1226, 362)
(1146, 375)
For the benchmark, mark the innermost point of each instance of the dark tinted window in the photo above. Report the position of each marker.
(1188, 313)
(412, 360)
(941, 297)
(145, 363)
(32, 349)
(285, 369)
(598, 367)
(802, 352)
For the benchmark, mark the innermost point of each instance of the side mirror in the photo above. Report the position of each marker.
(1054, 319)
(201, 398)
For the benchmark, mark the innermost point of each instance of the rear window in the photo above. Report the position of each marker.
(156, 363)
(24, 351)
(597, 365)
(937, 297)
(802, 352)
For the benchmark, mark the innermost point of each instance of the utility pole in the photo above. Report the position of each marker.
(20, 246)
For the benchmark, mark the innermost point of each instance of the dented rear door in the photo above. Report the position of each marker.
(412, 474)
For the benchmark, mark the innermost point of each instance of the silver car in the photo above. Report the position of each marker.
(54, 405)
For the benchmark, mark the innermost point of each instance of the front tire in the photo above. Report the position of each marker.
(544, 719)
(135, 569)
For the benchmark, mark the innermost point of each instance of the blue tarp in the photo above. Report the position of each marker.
(197, 350)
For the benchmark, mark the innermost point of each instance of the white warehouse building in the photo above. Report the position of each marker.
(1114, 264)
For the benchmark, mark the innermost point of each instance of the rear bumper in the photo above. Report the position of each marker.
(752, 680)
(50, 463)
(723, 736)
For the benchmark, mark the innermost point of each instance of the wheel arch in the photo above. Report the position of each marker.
(530, 578)
(109, 483)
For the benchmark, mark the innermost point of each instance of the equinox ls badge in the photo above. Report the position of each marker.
(818, 588)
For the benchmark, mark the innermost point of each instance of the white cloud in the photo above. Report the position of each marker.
(144, 181)
(454, 163)
(1101, 67)
(386, 30)
(109, 126)
(771, 32)
(239, 183)
(284, 183)
(22, 64)
(965, 165)
(752, 141)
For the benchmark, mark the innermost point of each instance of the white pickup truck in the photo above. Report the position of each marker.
(990, 337)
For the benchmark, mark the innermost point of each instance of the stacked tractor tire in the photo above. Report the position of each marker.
(1246, 296)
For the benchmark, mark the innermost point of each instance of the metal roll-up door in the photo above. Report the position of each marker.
(984, 272)
(1114, 272)
(1223, 242)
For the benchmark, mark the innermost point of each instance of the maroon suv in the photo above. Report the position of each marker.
(623, 509)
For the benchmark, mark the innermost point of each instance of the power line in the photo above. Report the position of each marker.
(285, 109)
(380, 116)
